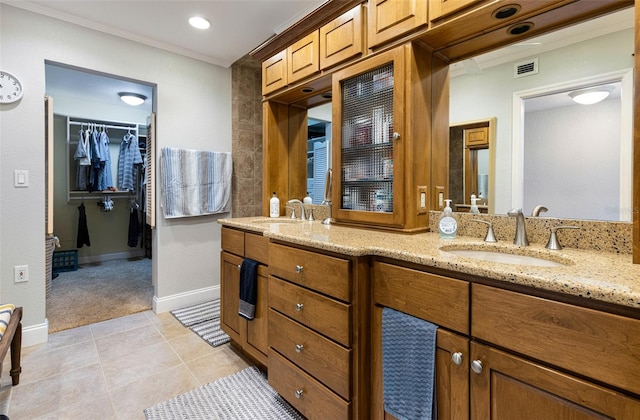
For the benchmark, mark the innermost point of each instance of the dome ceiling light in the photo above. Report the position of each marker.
(133, 99)
(591, 95)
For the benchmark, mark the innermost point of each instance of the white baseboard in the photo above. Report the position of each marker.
(134, 253)
(169, 303)
(35, 334)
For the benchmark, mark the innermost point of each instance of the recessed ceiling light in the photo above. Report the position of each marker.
(199, 22)
(133, 99)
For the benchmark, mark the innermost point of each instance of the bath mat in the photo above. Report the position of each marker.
(245, 395)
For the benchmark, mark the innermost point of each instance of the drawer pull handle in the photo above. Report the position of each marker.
(238, 267)
(299, 347)
(476, 366)
(299, 393)
(457, 358)
(299, 306)
(299, 269)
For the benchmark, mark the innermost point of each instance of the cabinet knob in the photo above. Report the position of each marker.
(299, 306)
(396, 135)
(238, 267)
(476, 366)
(457, 358)
(299, 268)
(299, 393)
(299, 347)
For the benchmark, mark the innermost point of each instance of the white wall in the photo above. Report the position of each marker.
(490, 94)
(194, 111)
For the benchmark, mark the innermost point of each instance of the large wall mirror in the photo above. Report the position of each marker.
(576, 160)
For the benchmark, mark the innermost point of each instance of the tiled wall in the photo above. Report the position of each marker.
(246, 142)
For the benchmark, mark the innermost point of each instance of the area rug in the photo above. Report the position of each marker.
(245, 395)
(204, 320)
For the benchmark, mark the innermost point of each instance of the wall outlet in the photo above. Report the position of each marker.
(21, 273)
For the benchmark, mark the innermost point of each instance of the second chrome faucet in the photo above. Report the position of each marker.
(520, 238)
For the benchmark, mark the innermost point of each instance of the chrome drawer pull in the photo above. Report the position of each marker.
(299, 347)
(457, 358)
(476, 366)
(238, 267)
(299, 269)
(299, 306)
(299, 393)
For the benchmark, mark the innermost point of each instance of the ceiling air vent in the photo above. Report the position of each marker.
(525, 68)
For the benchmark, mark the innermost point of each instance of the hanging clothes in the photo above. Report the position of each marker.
(83, 158)
(105, 182)
(134, 228)
(128, 160)
(83, 230)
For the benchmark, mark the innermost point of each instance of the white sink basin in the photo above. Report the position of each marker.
(505, 258)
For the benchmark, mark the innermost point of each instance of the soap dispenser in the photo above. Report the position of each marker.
(307, 199)
(474, 205)
(274, 206)
(447, 225)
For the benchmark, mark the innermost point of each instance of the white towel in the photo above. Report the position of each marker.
(195, 182)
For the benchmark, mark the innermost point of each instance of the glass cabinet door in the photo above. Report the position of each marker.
(368, 151)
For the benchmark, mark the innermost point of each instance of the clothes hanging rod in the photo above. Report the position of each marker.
(100, 125)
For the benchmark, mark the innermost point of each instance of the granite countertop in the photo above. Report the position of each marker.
(603, 276)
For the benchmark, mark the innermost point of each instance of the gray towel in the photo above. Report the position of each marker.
(408, 366)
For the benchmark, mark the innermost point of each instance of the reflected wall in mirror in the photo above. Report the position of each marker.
(318, 150)
(497, 84)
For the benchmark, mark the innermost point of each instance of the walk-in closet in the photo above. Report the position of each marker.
(101, 250)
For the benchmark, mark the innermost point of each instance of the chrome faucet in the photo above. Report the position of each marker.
(537, 210)
(303, 216)
(521, 229)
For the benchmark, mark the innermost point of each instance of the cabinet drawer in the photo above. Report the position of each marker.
(441, 300)
(326, 274)
(599, 345)
(341, 39)
(327, 316)
(257, 247)
(232, 241)
(322, 358)
(306, 394)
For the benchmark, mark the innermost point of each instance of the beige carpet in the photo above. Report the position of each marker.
(100, 291)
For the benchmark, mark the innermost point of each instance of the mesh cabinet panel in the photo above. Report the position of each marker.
(367, 141)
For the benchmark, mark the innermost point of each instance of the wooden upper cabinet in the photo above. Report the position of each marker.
(389, 19)
(476, 137)
(342, 38)
(274, 72)
(440, 8)
(303, 57)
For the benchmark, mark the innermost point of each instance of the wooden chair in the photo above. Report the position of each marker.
(12, 338)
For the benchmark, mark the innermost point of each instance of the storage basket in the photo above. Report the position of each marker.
(65, 261)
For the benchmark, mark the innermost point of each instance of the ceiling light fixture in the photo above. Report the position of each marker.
(133, 99)
(199, 22)
(591, 95)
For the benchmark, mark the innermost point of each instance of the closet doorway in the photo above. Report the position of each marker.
(96, 160)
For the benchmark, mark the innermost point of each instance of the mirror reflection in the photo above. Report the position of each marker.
(318, 150)
(547, 154)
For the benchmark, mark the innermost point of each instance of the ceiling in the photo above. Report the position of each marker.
(163, 24)
(237, 26)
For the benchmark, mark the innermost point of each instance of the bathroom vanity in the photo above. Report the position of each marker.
(563, 339)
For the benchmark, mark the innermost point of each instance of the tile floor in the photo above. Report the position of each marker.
(113, 369)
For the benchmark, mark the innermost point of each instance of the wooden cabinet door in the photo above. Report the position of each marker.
(274, 72)
(440, 8)
(476, 137)
(303, 57)
(452, 379)
(509, 387)
(229, 292)
(342, 38)
(389, 19)
(257, 328)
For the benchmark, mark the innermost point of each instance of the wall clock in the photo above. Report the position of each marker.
(10, 88)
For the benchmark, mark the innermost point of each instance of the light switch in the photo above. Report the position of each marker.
(21, 178)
